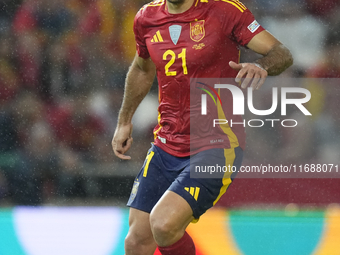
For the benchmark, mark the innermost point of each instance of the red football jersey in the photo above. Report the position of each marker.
(198, 43)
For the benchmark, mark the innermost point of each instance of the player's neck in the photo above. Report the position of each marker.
(178, 6)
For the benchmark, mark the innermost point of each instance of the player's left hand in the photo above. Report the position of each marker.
(251, 72)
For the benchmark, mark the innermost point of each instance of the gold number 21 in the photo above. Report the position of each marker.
(182, 55)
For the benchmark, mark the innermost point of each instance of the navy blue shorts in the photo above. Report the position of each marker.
(162, 171)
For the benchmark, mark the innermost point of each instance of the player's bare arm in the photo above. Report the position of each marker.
(276, 58)
(138, 82)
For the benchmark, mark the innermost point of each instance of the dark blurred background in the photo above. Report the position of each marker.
(62, 70)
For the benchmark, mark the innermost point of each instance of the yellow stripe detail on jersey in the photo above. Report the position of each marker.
(160, 126)
(241, 4)
(159, 118)
(236, 3)
(154, 3)
(187, 189)
(202, 1)
(155, 38)
(146, 167)
(159, 36)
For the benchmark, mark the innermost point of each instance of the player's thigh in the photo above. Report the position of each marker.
(140, 231)
(172, 212)
(203, 193)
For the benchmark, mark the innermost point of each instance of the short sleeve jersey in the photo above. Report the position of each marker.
(198, 43)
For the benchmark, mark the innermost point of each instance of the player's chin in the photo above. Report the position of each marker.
(176, 1)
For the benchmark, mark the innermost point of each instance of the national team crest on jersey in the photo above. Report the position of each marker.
(175, 32)
(197, 31)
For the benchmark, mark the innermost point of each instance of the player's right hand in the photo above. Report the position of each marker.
(250, 72)
(122, 141)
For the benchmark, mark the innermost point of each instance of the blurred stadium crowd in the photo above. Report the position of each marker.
(62, 70)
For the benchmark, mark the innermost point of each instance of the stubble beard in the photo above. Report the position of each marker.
(176, 1)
